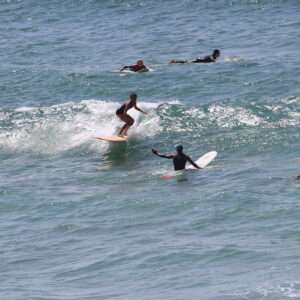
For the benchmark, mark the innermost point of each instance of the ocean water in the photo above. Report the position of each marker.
(83, 219)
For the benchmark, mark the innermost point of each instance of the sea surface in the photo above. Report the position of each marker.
(84, 219)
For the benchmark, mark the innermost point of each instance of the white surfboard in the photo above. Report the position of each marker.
(204, 160)
(234, 59)
(130, 71)
(111, 138)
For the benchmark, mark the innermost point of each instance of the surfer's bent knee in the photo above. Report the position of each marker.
(130, 122)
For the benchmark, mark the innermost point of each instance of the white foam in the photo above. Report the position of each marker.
(290, 290)
(25, 108)
(229, 116)
(61, 127)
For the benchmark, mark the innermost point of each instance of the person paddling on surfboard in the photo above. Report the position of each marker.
(122, 114)
(205, 59)
(179, 159)
(139, 66)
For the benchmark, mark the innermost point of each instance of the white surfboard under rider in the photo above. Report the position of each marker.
(111, 138)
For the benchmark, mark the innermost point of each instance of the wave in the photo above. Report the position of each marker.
(232, 114)
(59, 128)
(55, 129)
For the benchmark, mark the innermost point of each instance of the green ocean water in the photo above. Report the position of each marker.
(86, 219)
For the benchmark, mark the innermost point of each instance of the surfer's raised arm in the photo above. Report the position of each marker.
(170, 156)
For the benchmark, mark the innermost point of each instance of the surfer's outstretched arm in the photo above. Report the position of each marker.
(170, 156)
(137, 108)
(192, 162)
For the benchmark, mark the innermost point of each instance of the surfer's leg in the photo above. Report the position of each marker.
(174, 61)
(122, 130)
(123, 118)
(129, 123)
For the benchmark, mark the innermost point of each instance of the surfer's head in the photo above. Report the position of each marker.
(139, 62)
(216, 53)
(133, 96)
(179, 148)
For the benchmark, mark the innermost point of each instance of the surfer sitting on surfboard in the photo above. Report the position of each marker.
(122, 114)
(179, 159)
(139, 66)
(205, 59)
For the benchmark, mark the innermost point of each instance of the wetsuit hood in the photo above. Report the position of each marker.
(179, 148)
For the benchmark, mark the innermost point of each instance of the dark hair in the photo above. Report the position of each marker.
(179, 148)
(216, 51)
(133, 94)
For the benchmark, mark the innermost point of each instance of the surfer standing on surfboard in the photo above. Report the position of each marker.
(205, 59)
(122, 114)
(179, 159)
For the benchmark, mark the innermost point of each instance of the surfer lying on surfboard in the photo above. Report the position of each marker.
(179, 159)
(205, 59)
(122, 114)
(139, 66)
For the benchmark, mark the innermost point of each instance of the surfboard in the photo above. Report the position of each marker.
(204, 160)
(140, 71)
(234, 59)
(143, 70)
(111, 138)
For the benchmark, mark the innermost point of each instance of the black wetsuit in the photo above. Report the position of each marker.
(179, 161)
(205, 59)
(120, 110)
